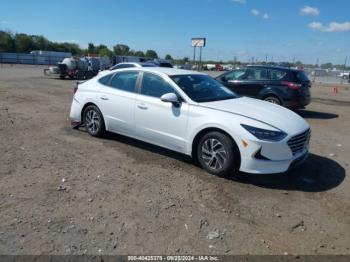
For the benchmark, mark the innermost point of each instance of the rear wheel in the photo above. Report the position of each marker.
(93, 120)
(216, 154)
(273, 100)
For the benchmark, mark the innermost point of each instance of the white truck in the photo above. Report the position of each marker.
(345, 75)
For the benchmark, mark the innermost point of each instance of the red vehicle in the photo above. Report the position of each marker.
(219, 67)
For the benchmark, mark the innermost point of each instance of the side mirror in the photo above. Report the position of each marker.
(170, 98)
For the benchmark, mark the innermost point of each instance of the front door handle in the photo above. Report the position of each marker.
(142, 106)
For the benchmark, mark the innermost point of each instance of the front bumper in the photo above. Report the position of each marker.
(277, 157)
(257, 166)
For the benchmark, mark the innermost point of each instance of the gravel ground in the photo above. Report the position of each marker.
(64, 192)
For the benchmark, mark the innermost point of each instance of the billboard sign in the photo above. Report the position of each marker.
(198, 42)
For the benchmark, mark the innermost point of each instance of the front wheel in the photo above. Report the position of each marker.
(217, 155)
(93, 120)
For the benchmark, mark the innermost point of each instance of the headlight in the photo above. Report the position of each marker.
(263, 134)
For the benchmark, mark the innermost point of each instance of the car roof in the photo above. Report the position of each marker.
(167, 71)
(272, 67)
(135, 63)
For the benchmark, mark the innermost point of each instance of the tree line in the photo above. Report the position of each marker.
(23, 43)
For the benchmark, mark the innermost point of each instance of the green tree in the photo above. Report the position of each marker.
(327, 66)
(40, 42)
(151, 54)
(91, 48)
(7, 43)
(131, 52)
(121, 49)
(168, 57)
(24, 43)
(105, 52)
(140, 54)
(298, 63)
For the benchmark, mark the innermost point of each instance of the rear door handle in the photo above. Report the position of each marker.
(104, 97)
(142, 106)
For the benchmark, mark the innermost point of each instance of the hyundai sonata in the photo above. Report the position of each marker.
(191, 113)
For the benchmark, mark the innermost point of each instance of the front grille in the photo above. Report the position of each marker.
(299, 142)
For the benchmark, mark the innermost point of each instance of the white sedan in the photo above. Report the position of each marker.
(191, 113)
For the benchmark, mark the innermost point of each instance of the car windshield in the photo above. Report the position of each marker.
(202, 88)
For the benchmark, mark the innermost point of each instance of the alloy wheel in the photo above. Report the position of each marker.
(214, 153)
(92, 121)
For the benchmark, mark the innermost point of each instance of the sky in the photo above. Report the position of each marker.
(280, 30)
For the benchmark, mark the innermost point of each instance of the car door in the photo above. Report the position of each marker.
(117, 102)
(256, 79)
(159, 122)
(235, 81)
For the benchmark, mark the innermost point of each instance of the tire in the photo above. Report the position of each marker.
(93, 121)
(217, 155)
(273, 100)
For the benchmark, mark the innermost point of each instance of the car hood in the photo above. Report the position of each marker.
(266, 112)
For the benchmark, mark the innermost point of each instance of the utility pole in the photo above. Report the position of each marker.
(200, 59)
(194, 55)
(317, 65)
(346, 60)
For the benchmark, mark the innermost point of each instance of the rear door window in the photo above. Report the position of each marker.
(125, 81)
(257, 74)
(105, 79)
(277, 75)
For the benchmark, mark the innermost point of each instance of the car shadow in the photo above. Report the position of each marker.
(148, 147)
(316, 115)
(316, 174)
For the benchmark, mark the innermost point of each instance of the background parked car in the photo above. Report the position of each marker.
(278, 85)
(162, 63)
(130, 65)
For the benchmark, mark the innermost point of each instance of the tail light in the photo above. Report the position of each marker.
(291, 85)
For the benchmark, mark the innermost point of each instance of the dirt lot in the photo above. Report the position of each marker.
(64, 192)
